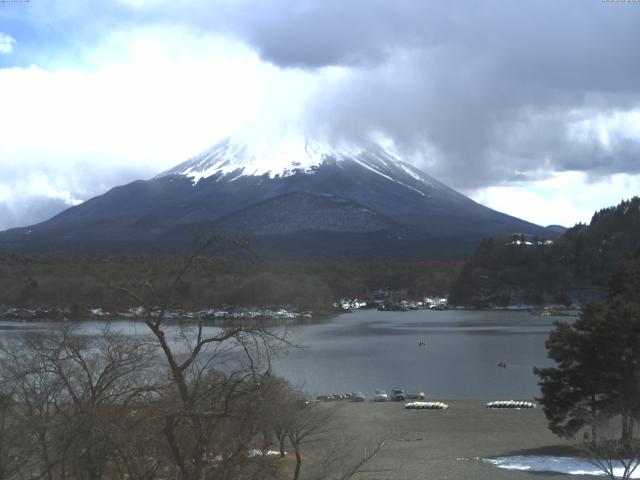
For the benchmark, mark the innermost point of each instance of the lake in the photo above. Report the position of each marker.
(367, 350)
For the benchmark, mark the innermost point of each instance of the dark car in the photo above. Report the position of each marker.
(398, 395)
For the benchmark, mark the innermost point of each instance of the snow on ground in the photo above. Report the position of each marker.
(546, 463)
(258, 453)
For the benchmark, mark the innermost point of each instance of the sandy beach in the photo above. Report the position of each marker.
(447, 444)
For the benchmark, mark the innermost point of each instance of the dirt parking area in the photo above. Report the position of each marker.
(445, 444)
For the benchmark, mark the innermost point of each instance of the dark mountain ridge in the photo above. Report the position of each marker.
(353, 203)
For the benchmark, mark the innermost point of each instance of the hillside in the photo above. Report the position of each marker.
(575, 266)
(291, 198)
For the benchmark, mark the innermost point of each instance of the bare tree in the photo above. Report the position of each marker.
(278, 400)
(337, 462)
(10, 433)
(101, 377)
(187, 400)
(616, 449)
(68, 389)
(36, 394)
(336, 456)
(211, 372)
(308, 424)
(309, 429)
(138, 454)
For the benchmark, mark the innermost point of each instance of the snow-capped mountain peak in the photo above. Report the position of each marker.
(294, 198)
(288, 155)
(235, 156)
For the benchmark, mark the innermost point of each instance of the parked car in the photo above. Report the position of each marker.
(380, 396)
(357, 397)
(415, 396)
(398, 395)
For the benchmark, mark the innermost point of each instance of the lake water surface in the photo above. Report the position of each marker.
(368, 350)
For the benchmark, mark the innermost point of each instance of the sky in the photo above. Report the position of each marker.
(531, 108)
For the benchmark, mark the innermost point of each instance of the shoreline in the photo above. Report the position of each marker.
(452, 443)
(238, 314)
(209, 315)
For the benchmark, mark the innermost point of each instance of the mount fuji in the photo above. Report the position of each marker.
(288, 198)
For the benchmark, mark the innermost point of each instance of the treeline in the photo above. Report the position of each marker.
(575, 267)
(84, 282)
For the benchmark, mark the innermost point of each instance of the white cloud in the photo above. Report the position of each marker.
(145, 99)
(33, 197)
(141, 103)
(6, 43)
(565, 198)
(36, 184)
(151, 108)
(168, 96)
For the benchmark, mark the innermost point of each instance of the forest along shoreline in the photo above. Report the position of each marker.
(512, 272)
(266, 316)
(77, 287)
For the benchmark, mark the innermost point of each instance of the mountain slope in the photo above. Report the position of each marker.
(362, 188)
(298, 211)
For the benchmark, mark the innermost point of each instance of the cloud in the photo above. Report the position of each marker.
(151, 106)
(145, 101)
(29, 210)
(498, 92)
(32, 190)
(546, 201)
(482, 94)
(491, 89)
(6, 43)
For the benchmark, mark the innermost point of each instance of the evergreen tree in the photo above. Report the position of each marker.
(597, 372)
(573, 392)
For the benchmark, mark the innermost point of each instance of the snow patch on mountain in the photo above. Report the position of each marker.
(290, 154)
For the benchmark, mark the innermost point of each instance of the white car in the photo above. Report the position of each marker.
(380, 396)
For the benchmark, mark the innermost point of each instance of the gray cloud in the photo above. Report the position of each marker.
(333, 32)
(464, 78)
(479, 93)
(484, 92)
(29, 209)
(41, 190)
